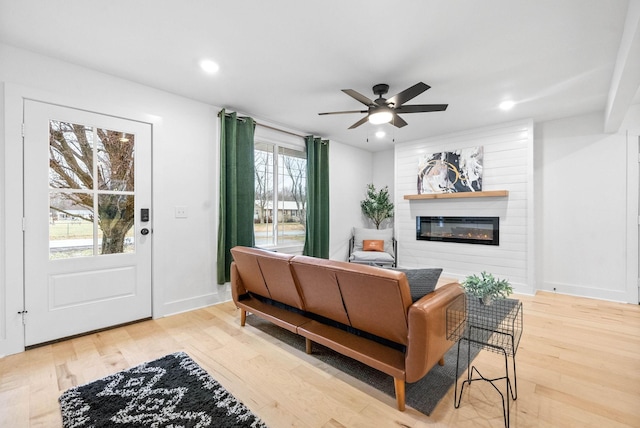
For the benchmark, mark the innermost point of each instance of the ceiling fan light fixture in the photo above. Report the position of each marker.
(380, 116)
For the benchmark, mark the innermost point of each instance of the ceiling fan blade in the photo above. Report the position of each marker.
(344, 112)
(360, 122)
(408, 94)
(358, 96)
(398, 122)
(421, 108)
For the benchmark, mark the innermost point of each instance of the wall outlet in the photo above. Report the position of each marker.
(181, 212)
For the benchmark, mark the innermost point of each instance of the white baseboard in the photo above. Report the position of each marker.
(582, 291)
(192, 303)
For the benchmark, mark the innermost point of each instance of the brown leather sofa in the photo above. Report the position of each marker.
(363, 312)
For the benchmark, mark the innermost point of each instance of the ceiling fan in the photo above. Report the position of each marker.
(382, 110)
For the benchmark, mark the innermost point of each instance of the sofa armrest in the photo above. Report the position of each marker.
(427, 341)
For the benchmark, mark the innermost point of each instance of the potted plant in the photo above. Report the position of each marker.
(377, 206)
(487, 287)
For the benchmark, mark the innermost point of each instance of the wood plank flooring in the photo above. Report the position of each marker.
(578, 365)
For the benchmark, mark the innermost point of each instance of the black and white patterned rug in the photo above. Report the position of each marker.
(172, 391)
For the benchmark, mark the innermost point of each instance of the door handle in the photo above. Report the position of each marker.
(144, 231)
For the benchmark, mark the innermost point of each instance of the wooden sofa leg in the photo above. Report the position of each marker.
(441, 362)
(243, 317)
(307, 343)
(400, 399)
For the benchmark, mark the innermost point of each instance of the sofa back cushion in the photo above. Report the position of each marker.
(319, 287)
(377, 300)
(267, 274)
(370, 299)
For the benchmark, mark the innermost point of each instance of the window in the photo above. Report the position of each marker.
(91, 170)
(281, 197)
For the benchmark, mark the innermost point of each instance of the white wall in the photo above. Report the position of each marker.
(583, 219)
(384, 170)
(185, 158)
(349, 172)
(508, 165)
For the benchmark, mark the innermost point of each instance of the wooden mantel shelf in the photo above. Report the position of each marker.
(485, 194)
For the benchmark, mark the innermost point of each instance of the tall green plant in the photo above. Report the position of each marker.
(377, 206)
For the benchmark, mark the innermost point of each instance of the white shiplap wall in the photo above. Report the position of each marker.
(508, 165)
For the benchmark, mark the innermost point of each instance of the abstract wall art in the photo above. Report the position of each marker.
(451, 172)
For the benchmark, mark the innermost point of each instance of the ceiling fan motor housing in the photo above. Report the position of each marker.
(380, 89)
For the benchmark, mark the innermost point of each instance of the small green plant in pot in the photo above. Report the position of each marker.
(487, 287)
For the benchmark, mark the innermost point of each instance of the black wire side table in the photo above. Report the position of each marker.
(496, 327)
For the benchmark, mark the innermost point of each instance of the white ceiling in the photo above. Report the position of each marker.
(284, 61)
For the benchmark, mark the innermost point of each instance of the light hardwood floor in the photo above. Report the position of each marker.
(578, 366)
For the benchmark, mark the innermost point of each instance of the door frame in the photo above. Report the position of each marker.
(12, 338)
(633, 218)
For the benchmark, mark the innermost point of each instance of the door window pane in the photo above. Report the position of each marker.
(70, 155)
(115, 160)
(70, 225)
(115, 223)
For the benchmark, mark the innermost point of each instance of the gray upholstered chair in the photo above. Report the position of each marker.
(375, 247)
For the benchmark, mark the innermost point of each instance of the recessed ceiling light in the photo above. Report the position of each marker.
(209, 66)
(380, 134)
(507, 105)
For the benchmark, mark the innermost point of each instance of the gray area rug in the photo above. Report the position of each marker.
(172, 391)
(423, 395)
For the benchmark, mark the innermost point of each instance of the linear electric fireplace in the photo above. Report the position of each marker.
(469, 230)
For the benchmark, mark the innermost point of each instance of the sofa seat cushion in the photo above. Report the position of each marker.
(371, 257)
(422, 281)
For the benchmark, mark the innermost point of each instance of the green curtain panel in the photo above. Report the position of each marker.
(237, 193)
(316, 243)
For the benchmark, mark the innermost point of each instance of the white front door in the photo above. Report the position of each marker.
(87, 221)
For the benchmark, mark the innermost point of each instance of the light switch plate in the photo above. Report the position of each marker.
(181, 212)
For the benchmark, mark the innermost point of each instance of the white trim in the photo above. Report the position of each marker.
(531, 285)
(12, 336)
(633, 219)
(580, 291)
